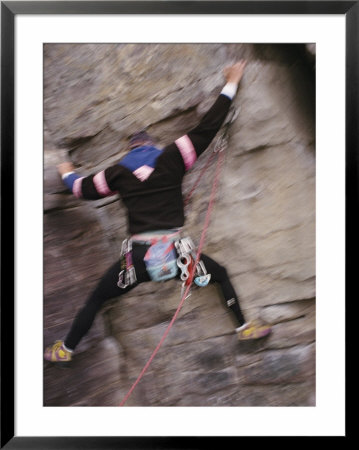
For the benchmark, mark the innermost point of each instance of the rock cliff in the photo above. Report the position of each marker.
(262, 228)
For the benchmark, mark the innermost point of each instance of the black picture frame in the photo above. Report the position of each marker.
(9, 9)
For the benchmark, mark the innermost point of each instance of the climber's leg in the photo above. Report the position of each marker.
(245, 330)
(106, 289)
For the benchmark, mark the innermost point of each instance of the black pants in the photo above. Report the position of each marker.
(107, 289)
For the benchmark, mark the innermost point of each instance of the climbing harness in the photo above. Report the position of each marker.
(162, 262)
(189, 264)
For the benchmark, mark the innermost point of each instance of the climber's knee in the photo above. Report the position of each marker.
(220, 274)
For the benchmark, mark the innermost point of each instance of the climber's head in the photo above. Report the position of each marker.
(139, 139)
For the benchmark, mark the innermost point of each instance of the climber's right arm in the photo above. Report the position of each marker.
(197, 140)
(92, 187)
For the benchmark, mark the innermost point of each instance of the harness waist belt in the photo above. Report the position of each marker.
(152, 237)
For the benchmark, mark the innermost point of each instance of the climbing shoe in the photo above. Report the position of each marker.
(253, 330)
(57, 353)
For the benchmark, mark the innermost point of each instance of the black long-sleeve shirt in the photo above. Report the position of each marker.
(149, 180)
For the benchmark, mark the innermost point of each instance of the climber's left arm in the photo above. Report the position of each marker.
(92, 187)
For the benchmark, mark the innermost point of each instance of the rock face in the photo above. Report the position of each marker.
(262, 228)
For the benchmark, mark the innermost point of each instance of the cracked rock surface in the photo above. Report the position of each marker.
(262, 227)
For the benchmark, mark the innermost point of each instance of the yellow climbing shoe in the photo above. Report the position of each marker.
(57, 353)
(253, 330)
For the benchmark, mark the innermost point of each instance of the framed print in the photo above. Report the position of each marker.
(204, 153)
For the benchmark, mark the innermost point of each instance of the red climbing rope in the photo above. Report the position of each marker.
(196, 183)
(203, 235)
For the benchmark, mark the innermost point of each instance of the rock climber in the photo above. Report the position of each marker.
(149, 181)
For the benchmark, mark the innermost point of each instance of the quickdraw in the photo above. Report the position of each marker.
(222, 140)
(186, 260)
(127, 276)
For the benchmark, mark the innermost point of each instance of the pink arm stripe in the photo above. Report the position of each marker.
(143, 172)
(101, 185)
(77, 187)
(187, 150)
